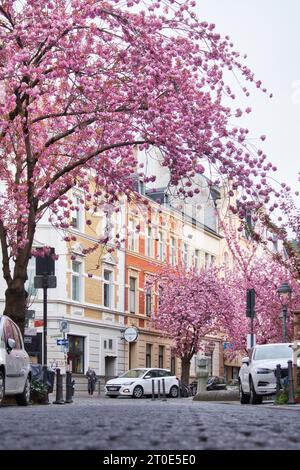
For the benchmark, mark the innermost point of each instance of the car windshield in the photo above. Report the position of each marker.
(280, 351)
(133, 373)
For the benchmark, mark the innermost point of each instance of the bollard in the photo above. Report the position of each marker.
(45, 400)
(59, 389)
(158, 389)
(278, 380)
(73, 387)
(164, 390)
(291, 400)
(99, 387)
(153, 391)
(69, 387)
(179, 389)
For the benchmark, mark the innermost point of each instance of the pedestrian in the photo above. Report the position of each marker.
(92, 379)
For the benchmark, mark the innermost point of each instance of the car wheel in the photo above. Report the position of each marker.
(254, 398)
(2, 388)
(244, 399)
(138, 392)
(23, 399)
(173, 391)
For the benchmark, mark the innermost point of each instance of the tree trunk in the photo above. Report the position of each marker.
(15, 302)
(185, 369)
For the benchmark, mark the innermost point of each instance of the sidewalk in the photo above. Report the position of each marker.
(281, 407)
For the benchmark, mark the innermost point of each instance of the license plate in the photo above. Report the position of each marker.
(112, 389)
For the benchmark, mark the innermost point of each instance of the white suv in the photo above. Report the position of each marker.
(257, 375)
(138, 382)
(15, 371)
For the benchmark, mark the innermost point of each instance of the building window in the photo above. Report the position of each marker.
(160, 295)
(148, 300)
(185, 254)
(172, 251)
(131, 235)
(275, 244)
(148, 354)
(107, 225)
(206, 261)
(149, 242)
(76, 354)
(212, 260)
(107, 288)
(161, 350)
(197, 259)
(76, 221)
(132, 295)
(76, 281)
(160, 246)
(141, 187)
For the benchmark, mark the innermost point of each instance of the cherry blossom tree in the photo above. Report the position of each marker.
(82, 84)
(264, 274)
(191, 305)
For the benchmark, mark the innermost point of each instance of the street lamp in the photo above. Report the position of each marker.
(209, 351)
(284, 292)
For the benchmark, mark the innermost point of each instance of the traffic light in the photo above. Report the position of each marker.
(250, 311)
(45, 264)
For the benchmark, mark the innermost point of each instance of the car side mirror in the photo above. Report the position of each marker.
(246, 360)
(148, 376)
(11, 344)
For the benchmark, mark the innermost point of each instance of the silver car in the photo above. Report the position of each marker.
(15, 371)
(257, 375)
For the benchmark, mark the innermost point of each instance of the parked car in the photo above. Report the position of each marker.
(257, 375)
(233, 384)
(215, 383)
(138, 383)
(15, 371)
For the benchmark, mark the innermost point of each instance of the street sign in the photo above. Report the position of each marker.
(64, 326)
(30, 314)
(30, 331)
(131, 334)
(62, 342)
(41, 282)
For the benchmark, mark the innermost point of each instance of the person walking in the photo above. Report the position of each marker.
(92, 379)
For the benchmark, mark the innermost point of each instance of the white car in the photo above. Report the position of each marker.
(257, 375)
(138, 382)
(15, 371)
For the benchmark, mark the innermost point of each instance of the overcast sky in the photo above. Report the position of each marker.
(268, 32)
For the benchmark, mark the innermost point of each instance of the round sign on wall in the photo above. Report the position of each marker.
(131, 334)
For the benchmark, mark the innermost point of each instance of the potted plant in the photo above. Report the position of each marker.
(38, 392)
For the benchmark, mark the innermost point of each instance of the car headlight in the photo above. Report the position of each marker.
(263, 371)
(128, 383)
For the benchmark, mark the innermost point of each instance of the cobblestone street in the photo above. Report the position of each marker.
(93, 423)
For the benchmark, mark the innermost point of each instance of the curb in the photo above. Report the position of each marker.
(217, 395)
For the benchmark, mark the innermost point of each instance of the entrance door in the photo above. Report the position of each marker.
(76, 354)
(110, 367)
